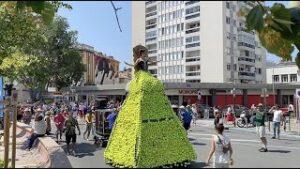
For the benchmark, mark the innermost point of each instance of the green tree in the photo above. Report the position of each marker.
(64, 61)
(278, 28)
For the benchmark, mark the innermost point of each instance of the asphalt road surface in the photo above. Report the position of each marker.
(284, 153)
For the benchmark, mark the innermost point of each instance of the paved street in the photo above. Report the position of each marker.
(282, 153)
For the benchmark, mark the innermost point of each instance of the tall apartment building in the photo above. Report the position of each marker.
(198, 41)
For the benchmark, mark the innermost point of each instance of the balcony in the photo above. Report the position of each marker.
(192, 16)
(191, 2)
(241, 29)
(243, 44)
(151, 39)
(149, 2)
(193, 30)
(151, 14)
(150, 26)
(248, 74)
(193, 45)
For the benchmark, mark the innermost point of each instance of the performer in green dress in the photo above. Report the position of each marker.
(147, 132)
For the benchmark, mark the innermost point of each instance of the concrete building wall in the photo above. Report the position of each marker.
(280, 71)
(212, 41)
(138, 22)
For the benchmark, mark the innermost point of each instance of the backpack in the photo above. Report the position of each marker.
(225, 148)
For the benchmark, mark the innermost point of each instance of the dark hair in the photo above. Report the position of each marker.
(184, 104)
(219, 128)
(39, 118)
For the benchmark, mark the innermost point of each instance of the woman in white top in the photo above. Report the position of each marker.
(221, 149)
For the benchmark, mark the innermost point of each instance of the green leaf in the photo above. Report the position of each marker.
(284, 24)
(48, 13)
(20, 5)
(37, 6)
(280, 12)
(254, 19)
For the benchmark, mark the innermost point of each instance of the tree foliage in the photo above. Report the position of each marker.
(278, 28)
(35, 49)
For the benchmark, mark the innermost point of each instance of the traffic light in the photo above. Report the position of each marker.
(8, 88)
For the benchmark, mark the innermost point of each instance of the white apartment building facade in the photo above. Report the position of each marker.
(283, 73)
(198, 41)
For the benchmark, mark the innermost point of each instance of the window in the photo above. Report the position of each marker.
(192, 16)
(162, 31)
(293, 77)
(227, 20)
(234, 67)
(228, 66)
(182, 26)
(284, 78)
(259, 70)
(246, 53)
(192, 10)
(276, 78)
(178, 27)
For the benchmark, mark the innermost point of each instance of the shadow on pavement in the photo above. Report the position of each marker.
(279, 151)
(197, 165)
(198, 144)
(192, 139)
(83, 149)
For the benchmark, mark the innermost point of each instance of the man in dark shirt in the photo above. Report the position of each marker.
(260, 118)
(71, 124)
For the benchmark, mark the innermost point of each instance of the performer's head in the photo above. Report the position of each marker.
(140, 56)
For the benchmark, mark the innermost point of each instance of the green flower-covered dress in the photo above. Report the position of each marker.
(147, 132)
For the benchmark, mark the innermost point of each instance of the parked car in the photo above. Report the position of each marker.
(238, 109)
(201, 109)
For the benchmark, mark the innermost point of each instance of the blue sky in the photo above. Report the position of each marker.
(97, 26)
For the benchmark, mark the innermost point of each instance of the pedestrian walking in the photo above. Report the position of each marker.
(277, 116)
(89, 124)
(290, 109)
(71, 124)
(260, 119)
(48, 122)
(221, 149)
(59, 120)
(218, 118)
(185, 116)
(195, 114)
(112, 118)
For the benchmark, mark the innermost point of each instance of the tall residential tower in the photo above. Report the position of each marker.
(199, 41)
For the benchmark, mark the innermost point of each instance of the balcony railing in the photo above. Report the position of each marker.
(247, 74)
(246, 45)
(193, 73)
(192, 45)
(151, 14)
(245, 30)
(150, 39)
(150, 26)
(192, 30)
(191, 2)
(192, 16)
(150, 2)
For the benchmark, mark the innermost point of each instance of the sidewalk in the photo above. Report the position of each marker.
(24, 158)
(292, 134)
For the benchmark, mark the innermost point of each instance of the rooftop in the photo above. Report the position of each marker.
(281, 64)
